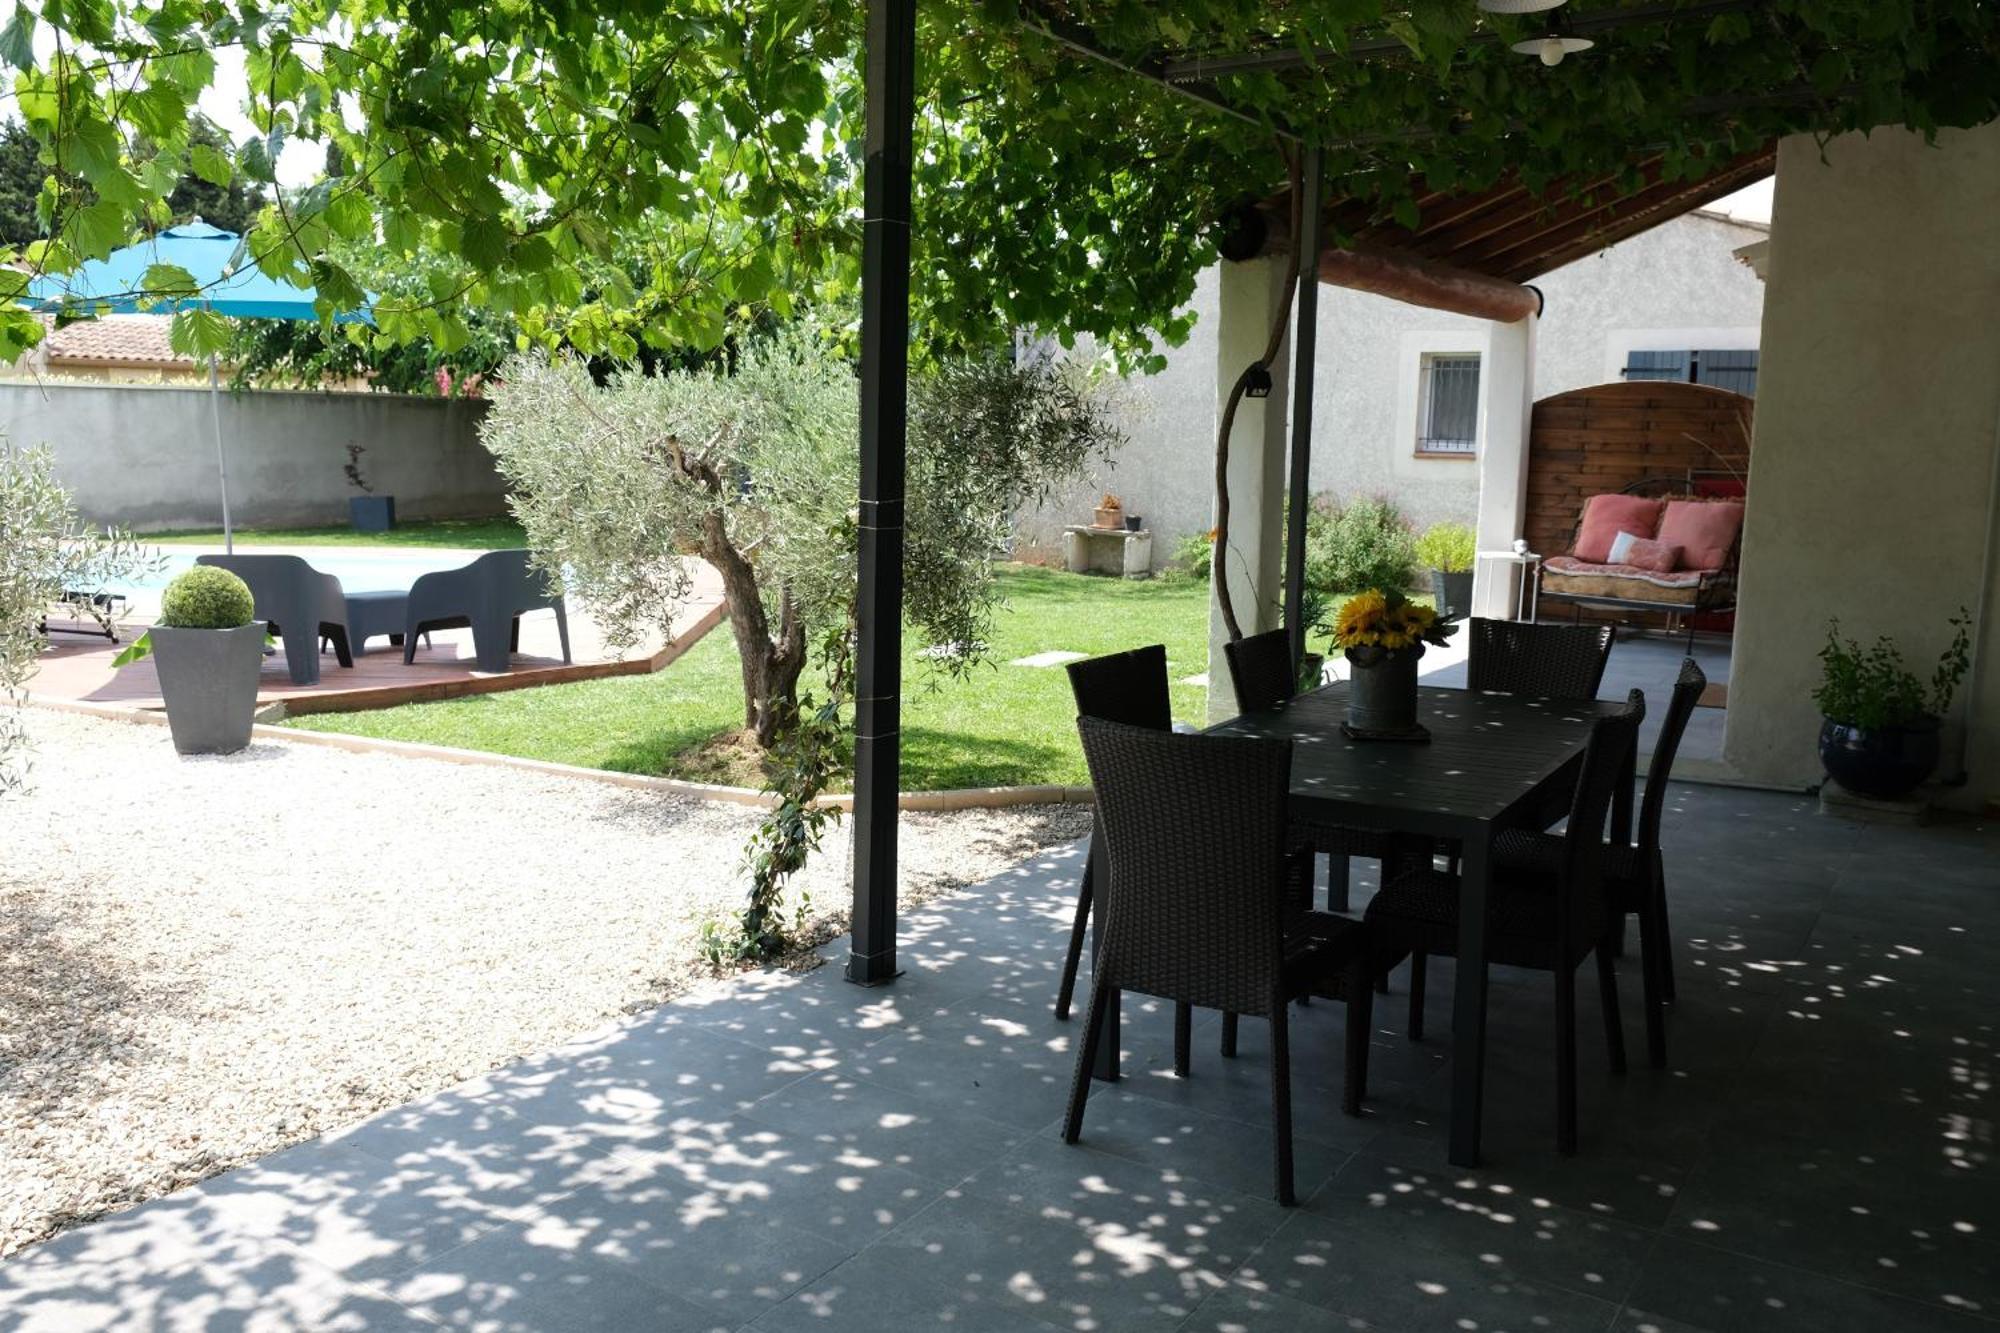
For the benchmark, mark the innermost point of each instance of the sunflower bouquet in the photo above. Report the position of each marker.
(1372, 624)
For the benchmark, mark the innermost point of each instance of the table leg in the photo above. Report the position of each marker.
(1468, 1030)
(1106, 1064)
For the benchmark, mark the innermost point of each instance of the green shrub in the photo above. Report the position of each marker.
(206, 597)
(1446, 546)
(1194, 557)
(1365, 543)
(1872, 688)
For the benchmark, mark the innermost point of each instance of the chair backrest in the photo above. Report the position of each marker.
(1612, 739)
(1687, 693)
(1194, 832)
(511, 578)
(284, 586)
(1128, 687)
(1547, 661)
(1261, 670)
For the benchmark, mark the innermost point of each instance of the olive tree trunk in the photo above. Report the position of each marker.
(772, 659)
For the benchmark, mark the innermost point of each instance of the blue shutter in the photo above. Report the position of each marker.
(1659, 366)
(1735, 371)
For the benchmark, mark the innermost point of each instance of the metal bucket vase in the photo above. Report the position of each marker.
(1382, 696)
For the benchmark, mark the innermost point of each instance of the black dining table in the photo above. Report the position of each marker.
(1493, 762)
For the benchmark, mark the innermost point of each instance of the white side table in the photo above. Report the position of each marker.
(1529, 591)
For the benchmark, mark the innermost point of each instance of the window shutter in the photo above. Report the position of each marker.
(1658, 365)
(1735, 371)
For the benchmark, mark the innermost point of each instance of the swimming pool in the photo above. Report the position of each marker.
(382, 570)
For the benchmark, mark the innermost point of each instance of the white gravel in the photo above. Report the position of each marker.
(205, 960)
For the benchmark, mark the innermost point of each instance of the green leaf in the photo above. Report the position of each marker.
(97, 230)
(17, 40)
(199, 334)
(168, 280)
(211, 165)
(138, 648)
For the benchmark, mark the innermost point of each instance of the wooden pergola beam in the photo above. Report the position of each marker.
(1425, 282)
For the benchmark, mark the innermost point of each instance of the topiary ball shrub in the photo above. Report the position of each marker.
(206, 597)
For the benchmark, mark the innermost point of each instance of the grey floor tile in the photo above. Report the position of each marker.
(997, 1066)
(1729, 1293)
(1375, 1281)
(734, 1253)
(507, 1282)
(1242, 1308)
(1065, 1273)
(845, 1119)
(1164, 1209)
(1443, 1209)
(1226, 1153)
(877, 1290)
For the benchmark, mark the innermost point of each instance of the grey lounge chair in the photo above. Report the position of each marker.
(489, 595)
(305, 606)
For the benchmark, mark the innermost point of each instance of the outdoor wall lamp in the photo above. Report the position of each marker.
(1257, 382)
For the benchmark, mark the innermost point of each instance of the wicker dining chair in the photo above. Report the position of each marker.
(1201, 902)
(1546, 919)
(1128, 687)
(1262, 674)
(1635, 877)
(1547, 661)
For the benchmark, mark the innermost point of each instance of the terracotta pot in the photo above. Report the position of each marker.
(1108, 518)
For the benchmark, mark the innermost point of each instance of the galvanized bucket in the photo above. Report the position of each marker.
(1382, 696)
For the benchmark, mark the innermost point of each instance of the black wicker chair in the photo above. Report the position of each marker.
(1635, 877)
(1201, 904)
(1547, 661)
(1546, 918)
(1262, 675)
(1128, 687)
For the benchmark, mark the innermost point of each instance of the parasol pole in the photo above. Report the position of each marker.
(221, 460)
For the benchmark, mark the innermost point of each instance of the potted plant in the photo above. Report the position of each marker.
(1446, 549)
(1383, 635)
(208, 652)
(1110, 513)
(1879, 736)
(368, 512)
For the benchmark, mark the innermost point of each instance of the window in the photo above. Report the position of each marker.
(1733, 370)
(1448, 405)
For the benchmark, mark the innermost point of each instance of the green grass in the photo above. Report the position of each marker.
(471, 534)
(1001, 726)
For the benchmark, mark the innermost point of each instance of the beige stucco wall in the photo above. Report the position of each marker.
(1878, 416)
(1676, 286)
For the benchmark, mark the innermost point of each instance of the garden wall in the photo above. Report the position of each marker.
(144, 455)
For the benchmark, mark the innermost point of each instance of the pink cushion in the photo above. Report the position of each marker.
(1705, 530)
(1605, 516)
(1653, 556)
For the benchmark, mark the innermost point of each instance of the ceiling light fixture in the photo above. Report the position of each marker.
(1518, 6)
(1553, 44)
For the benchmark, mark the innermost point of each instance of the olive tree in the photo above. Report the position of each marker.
(46, 553)
(755, 470)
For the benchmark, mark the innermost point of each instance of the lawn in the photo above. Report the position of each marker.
(1002, 726)
(469, 534)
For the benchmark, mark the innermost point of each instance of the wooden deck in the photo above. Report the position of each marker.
(78, 667)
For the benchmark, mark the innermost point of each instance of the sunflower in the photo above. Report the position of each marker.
(1360, 619)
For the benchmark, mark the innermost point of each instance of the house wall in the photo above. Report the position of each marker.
(1675, 286)
(1878, 418)
(144, 455)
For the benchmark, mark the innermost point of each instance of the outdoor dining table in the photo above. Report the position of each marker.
(1493, 762)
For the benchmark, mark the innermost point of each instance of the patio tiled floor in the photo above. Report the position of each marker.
(790, 1152)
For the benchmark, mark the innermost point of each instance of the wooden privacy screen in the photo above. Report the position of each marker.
(1603, 438)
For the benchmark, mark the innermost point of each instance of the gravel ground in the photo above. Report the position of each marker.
(205, 960)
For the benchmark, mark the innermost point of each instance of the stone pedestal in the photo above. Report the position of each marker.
(1088, 550)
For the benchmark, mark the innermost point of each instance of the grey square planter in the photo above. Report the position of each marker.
(371, 513)
(209, 680)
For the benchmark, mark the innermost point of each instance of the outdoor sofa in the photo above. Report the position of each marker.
(1654, 546)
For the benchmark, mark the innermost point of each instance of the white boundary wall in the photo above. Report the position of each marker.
(144, 455)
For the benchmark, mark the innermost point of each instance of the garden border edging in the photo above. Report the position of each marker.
(958, 798)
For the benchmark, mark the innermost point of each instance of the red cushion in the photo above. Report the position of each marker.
(1605, 516)
(1705, 530)
(1653, 556)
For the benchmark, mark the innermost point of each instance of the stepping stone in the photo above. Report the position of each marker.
(1048, 659)
(1201, 680)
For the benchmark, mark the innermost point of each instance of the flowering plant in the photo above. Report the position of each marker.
(1384, 622)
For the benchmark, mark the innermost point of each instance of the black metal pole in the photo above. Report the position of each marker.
(885, 355)
(1305, 350)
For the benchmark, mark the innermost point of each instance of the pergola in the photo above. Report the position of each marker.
(1471, 252)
